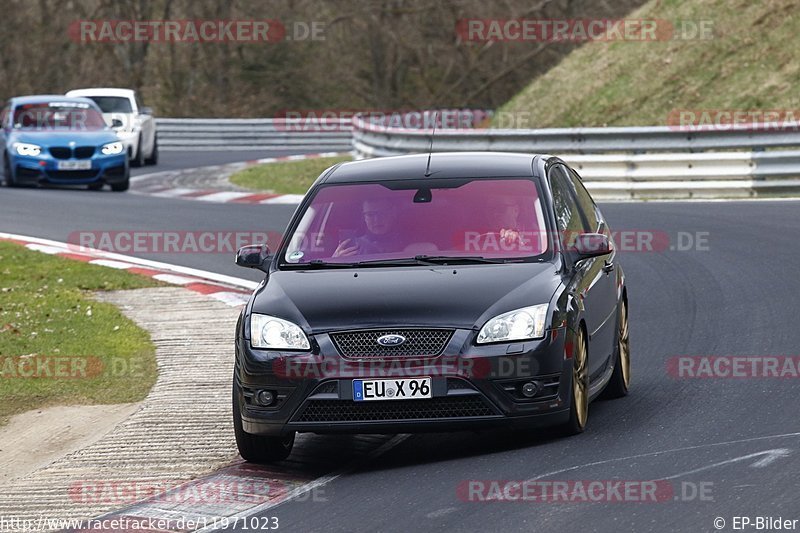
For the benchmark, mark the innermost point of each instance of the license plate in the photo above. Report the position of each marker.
(391, 389)
(74, 165)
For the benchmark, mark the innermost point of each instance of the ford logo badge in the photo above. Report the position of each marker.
(391, 340)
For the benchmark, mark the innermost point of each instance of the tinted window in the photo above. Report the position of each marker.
(566, 210)
(58, 115)
(585, 202)
(500, 218)
(113, 104)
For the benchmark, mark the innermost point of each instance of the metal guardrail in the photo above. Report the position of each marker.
(638, 162)
(251, 134)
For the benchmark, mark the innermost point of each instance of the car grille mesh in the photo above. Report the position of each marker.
(364, 344)
(84, 152)
(65, 152)
(61, 152)
(433, 409)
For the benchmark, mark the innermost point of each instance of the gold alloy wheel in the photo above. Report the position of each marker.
(624, 346)
(580, 383)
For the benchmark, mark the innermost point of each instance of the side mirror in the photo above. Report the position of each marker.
(116, 123)
(146, 111)
(253, 256)
(591, 245)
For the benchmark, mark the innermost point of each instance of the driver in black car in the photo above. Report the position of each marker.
(503, 219)
(383, 232)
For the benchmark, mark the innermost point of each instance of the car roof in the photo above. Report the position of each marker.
(102, 91)
(44, 98)
(443, 165)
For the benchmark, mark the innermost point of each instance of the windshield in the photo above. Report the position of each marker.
(58, 115)
(470, 219)
(113, 104)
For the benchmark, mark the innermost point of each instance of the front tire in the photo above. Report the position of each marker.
(123, 185)
(621, 377)
(138, 159)
(579, 406)
(9, 177)
(153, 159)
(257, 448)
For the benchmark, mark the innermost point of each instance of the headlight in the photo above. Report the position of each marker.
(276, 334)
(112, 148)
(27, 149)
(517, 325)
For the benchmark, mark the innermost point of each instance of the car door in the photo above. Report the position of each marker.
(593, 281)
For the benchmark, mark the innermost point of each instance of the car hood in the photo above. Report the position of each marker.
(458, 297)
(64, 137)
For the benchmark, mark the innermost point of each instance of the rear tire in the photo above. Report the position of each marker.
(579, 406)
(153, 159)
(257, 448)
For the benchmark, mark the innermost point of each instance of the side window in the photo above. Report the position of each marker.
(591, 214)
(568, 216)
(139, 104)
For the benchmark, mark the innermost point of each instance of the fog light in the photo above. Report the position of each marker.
(529, 389)
(265, 397)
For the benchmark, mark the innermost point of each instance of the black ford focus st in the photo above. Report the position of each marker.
(409, 294)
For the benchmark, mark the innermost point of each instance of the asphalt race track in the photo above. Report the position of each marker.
(726, 446)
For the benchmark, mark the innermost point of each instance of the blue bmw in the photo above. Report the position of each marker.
(60, 140)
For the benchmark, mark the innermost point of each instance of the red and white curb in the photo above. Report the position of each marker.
(227, 289)
(240, 197)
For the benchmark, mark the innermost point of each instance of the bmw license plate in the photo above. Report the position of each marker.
(391, 389)
(74, 165)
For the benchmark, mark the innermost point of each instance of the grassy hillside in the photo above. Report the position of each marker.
(750, 63)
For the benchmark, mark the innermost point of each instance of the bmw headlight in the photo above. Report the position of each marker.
(520, 324)
(28, 149)
(112, 148)
(276, 334)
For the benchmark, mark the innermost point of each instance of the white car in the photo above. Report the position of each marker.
(133, 123)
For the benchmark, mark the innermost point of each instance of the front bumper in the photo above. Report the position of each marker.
(43, 169)
(473, 387)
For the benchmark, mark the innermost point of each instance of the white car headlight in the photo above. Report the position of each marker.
(112, 148)
(28, 149)
(517, 325)
(276, 334)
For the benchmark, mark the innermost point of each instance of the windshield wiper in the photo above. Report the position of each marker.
(430, 260)
(319, 263)
(405, 261)
(447, 259)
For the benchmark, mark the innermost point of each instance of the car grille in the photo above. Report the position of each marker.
(84, 152)
(433, 409)
(61, 152)
(65, 152)
(363, 344)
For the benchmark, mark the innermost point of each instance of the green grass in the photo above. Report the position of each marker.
(79, 351)
(749, 64)
(290, 177)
